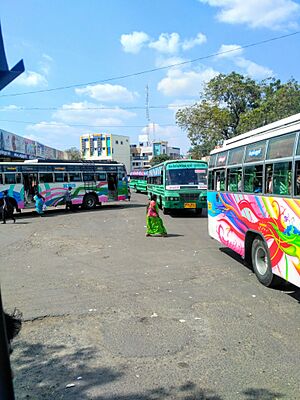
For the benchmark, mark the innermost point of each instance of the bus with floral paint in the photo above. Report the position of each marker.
(179, 184)
(92, 183)
(254, 199)
(138, 180)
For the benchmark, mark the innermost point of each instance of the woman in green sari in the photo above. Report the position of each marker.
(155, 226)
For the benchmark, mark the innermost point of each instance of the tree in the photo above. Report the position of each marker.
(159, 159)
(232, 104)
(73, 154)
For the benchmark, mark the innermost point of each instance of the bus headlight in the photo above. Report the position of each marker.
(172, 198)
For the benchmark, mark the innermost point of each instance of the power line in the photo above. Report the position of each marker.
(80, 125)
(154, 69)
(95, 108)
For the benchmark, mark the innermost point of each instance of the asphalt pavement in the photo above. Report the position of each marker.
(113, 315)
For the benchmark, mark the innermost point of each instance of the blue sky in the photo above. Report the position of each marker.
(73, 42)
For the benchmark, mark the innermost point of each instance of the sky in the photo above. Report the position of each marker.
(78, 55)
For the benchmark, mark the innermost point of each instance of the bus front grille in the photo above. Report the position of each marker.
(186, 197)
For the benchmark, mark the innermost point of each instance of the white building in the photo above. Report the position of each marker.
(106, 146)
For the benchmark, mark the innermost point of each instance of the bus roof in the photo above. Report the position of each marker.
(280, 127)
(67, 162)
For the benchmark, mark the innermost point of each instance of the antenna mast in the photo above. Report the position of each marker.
(147, 114)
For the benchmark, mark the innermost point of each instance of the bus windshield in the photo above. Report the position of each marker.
(184, 176)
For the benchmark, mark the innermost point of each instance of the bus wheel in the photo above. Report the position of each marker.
(165, 210)
(262, 264)
(89, 201)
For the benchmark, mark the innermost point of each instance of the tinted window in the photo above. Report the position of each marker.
(212, 160)
(255, 151)
(101, 176)
(253, 179)
(10, 178)
(46, 177)
(281, 146)
(220, 180)
(236, 156)
(221, 159)
(60, 177)
(88, 177)
(1, 179)
(279, 178)
(75, 176)
(234, 179)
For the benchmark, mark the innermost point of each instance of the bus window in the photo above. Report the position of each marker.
(234, 179)
(10, 179)
(46, 177)
(281, 146)
(279, 178)
(75, 177)
(100, 176)
(297, 179)
(220, 180)
(210, 180)
(253, 179)
(1, 179)
(88, 177)
(18, 178)
(60, 177)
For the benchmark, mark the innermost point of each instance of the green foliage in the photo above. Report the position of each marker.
(159, 159)
(73, 154)
(232, 104)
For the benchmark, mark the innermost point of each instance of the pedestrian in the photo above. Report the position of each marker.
(39, 203)
(7, 207)
(68, 199)
(155, 226)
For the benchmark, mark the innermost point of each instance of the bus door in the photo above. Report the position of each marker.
(112, 183)
(30, 181)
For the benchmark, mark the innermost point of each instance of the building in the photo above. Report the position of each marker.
(106, 146)
(15, 148)
(141, 154)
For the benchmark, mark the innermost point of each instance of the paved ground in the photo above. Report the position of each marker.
(126, 317)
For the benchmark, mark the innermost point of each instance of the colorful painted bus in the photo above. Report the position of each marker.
(254, 199)
(138, 180)
(92, 183)
(179, 184)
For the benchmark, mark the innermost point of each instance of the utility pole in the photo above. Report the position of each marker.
(147, 113)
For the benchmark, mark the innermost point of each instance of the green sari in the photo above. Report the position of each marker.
(155, 225)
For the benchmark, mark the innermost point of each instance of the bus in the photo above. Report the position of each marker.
(138, 180)
(254, 199)
(179, 184)
(92, 183)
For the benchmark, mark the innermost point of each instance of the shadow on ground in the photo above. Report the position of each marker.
(43, 372)
(286, 287)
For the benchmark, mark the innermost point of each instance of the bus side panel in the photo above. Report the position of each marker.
(276, 219)
(14, 190)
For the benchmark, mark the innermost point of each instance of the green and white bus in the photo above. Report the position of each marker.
(138, 181)
(179, 184)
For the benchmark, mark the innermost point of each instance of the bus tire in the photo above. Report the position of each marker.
(160, 206)
(261, 263)
(165, 210)
(89, 201)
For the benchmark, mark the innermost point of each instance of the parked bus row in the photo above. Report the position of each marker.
(92, 183)
(254, 199)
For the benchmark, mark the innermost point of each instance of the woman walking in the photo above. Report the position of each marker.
(39, 203)
(155, 226)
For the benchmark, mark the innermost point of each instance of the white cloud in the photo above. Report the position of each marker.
(190, 43)
(254, 70)
(185, 83)
(11, 107)
(229, 51)
(45, 64)
(91, 114)
(107, 92)
(164, 62)
(167, 43)
(31, 79)
(274, 14)
(133, 42)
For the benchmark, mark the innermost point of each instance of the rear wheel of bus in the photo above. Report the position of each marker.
(89, 201)
(261, 263)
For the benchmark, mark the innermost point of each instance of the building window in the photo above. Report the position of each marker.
(117, 142)
(121, 142)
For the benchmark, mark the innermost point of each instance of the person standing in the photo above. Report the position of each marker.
(68, 199)
(39, 203)
(155, 226)
(7, 207)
